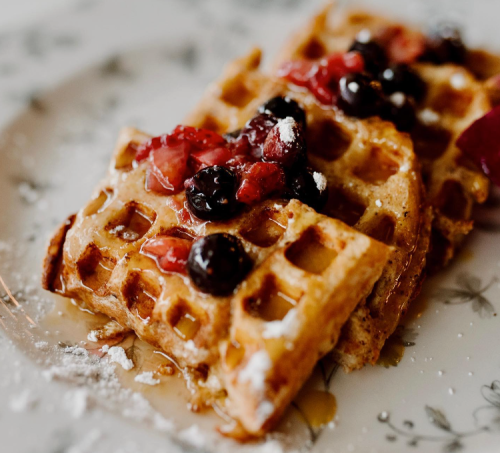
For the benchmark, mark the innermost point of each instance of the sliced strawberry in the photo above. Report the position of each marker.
(145, 149)
(199, 138)
(259, 180)
(480, 142)
(171, 253)
(168, 167)
(238, 163)
(299, 72)
(210, 157)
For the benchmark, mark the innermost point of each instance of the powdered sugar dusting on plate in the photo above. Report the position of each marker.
(147, 378)
(117, 354)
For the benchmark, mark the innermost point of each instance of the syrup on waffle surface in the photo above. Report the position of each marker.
(256, 345)
(374, 185)
(453, 100)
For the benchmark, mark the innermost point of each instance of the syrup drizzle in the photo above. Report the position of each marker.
(317, 407)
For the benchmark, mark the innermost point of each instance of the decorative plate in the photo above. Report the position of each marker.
(67, 86)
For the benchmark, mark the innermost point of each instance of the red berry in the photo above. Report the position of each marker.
(145, 149)
(259, 180)
(167, 168)
(255, 132)
(199, 138)
(210, 157)
(480, 142)
(170, 253)
(285, 143)
(402, 45)
(322, 77)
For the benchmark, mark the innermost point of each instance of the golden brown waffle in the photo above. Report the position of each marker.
(454, 100)
(374, 184)
(257, 346)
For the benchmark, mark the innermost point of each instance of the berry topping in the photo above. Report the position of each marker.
(210, 193)
(260, 180)
(218, 263)
(399, 109)
(282, 107)
(210, 157)
(480, 142)
(322, 77)
(285, 143)
(359, 95)
(168, 166)
(372, 53)
(170, 253)
(231, 135)
(255, 133)
(310, 187)
(198, 138)
(445, 45)
(401, 78)
(401, 44)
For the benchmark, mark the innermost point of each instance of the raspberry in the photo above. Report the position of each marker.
(285, 143)
(259, 180)
(480, 142)
(255, 133)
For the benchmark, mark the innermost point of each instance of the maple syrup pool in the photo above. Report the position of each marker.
(70, 324)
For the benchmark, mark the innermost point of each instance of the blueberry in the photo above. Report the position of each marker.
(211, 193)
(218, 263)
(373, 54)
(359, 95)
(399, 109)
(281, 107)
(401, 78)
(445, 45)
(308, 186)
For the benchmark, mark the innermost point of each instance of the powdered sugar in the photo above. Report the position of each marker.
(77, 402)
(193, 436)
(256, 369)
(23, 401)
(87, 444)
(285, 127)
(117, 354)
(92, 336)
(286, 327)
(405, 167)
(41, 345)
(265, 410)
(320, 181)
(428, 116)
(146, 378)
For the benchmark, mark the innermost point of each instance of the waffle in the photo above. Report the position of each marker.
(453, 183)
(375, 186)
(310, 271)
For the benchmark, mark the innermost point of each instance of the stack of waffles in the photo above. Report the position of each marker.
(331, 282)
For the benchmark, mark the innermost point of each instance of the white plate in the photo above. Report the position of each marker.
(67, 86)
